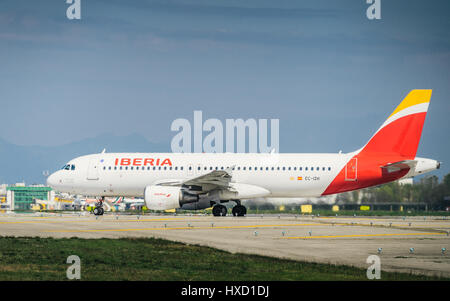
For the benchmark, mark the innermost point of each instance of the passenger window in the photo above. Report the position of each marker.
(72, 167)
(131, 167)
(181, 168)
(109, 168)
(306, 168)
(104, 167)
(300, 168)
(295, 168)
(176, 167)
(190, 168)
(115, 167)
(329, 168)
(120, 167)
(126, 167)
(323, 168)
(250, 168)
(289, 168)
(273, 168)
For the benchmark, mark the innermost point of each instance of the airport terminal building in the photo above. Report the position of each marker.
(22, 197)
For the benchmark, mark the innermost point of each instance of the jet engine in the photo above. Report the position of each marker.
(159, 197)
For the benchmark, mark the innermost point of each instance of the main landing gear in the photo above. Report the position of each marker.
(98, 210)
(239, 210)
(221, 210)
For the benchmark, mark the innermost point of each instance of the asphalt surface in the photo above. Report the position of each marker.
(336, 240)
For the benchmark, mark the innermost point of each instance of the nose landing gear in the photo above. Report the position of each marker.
(98, 210)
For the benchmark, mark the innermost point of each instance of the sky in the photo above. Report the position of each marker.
(328, 73)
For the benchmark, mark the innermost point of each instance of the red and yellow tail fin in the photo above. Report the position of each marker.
(400, 133)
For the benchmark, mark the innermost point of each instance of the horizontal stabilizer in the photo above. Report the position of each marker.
(401, 165)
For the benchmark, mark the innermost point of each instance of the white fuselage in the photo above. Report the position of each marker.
(283, 175)
(277, 175)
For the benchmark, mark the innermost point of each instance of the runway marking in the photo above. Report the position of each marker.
(361, 235)
(181, 228)
(93, 221)
(401, 226)
(382, 219)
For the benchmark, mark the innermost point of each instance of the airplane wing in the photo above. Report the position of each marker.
(400, 165)
(216, 179)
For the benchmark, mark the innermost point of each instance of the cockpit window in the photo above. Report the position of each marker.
(68, 167)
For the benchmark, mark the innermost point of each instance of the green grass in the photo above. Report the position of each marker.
(156, 259)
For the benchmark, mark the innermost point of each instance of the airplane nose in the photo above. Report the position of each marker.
(52, 180)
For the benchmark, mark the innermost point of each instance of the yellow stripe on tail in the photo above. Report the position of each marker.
(414, 97)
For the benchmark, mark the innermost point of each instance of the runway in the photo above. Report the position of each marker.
(336, 240)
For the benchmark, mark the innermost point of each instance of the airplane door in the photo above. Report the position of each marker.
(93, 167)
(351, 170)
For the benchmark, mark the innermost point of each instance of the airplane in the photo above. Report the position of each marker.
(122, 203)
(195, 181)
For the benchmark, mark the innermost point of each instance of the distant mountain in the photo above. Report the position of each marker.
(27, 163)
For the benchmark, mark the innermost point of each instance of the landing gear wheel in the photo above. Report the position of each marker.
(98, 210)
(219, 210)
(239, 210)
